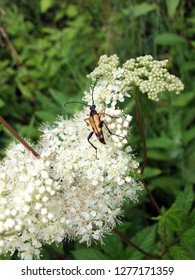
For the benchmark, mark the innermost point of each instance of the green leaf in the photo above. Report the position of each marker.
(45, 116)
(4, 64)
(188, 119)
(161, 232)
(25, 90)
(178, 252)
(58, 96)
(52, 251)
(189, 135)
(45, 5)
(189, 65)
(113, 247)
(2, 103)
(141, 9)
(188, 237)
(145, 239)
(166, 182)
(89, 254)
(169, 184)
(158, 155)
(172, 6)
(150, 172)
(174, 218)
(184, 99)
(5, 257)
(188, 172)
(159, 142)
(28, 132)
(72, 11)
(169, 39)
(185, 199)
(192, 217)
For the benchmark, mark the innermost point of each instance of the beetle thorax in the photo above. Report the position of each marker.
(92, 110)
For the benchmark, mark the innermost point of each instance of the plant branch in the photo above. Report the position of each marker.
(143, 137)
(10, 46)
(20, 139)
(164, 250)
(141, 126)
(131, 244)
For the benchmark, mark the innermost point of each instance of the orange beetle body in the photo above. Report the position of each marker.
(96, 124)
(94, 120)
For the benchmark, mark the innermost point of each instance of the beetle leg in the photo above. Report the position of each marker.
(101, 124)
(111, 116)
(86, 120)
(88, 138)
(102, 113)
(108, 128)
(111, 131)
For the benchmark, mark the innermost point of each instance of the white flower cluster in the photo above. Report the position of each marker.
(110, 87)
(94, 189)
(117, 125)
(69, 192)
(25, 189)
(145, 73)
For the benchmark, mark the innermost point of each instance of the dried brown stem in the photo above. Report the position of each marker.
(20, 139)
(10, 46)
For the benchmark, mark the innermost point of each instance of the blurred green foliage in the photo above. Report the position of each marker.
(48, 47)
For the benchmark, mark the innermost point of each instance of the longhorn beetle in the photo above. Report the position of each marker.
(94, 119)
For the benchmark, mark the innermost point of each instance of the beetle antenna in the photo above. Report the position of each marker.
(76, 102)
(93, 91)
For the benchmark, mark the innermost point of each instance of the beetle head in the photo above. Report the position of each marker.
(92, 107)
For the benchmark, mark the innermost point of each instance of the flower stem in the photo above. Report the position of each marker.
(164, 250)
(131, 244)
(141, 126)
(143, 137)
(21, 140)
(10, 46)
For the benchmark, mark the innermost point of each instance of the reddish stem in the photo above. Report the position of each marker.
(143, 137)
(20, 139)
(131, 244)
